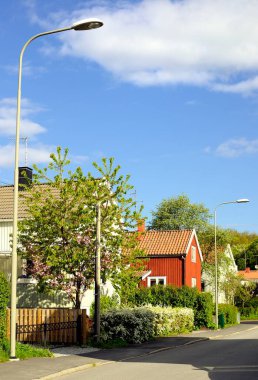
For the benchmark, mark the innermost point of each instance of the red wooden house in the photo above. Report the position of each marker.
(174, 258)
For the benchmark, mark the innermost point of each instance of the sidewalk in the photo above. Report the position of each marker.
(72, 359)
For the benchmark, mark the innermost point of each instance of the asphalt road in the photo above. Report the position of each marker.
(229, 356)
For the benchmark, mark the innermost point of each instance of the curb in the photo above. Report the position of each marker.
(99, 364)
(72, 370)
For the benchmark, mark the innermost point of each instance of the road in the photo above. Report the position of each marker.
(229, 356)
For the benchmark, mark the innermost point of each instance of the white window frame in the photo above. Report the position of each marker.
(193, 254)
(194, 282)
(157, 278)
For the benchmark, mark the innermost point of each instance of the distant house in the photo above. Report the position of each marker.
(174, 258)
(249, 275)
(6, 223)
(227, 268)
(27, 293)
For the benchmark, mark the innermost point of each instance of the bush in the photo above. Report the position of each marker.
(169, 320)
(142, 324)
(229, 312)
(4, 298)
(250, 308)
(128, 325)
(106, 303)
(169, 295)
(204, 311)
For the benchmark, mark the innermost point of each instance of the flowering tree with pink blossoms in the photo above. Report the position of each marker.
(58, 236)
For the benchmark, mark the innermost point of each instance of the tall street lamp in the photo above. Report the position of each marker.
(85, 24)
(243, 200)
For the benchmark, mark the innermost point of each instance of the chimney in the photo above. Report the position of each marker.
(141, 226)
(25, 177)
(247, 270)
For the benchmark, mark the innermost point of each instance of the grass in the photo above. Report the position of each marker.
(23, 351)
(250, 317)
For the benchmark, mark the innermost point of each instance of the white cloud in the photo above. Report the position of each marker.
(243, 87)
(37, 154)
(29, 128)
(160, 42)
(236, 148)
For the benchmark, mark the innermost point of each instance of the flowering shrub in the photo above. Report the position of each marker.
(182, 297)
(169, 320)
(141, 324)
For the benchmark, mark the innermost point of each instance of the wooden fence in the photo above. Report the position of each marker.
(64, 326)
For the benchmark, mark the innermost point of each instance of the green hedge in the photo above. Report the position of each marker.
(138, 325)
(172, 320)
(230, 313)
(128, 325)
(188, 297)
(4, 298)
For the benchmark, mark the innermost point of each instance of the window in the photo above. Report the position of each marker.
(152, 281)
(193, 282)
(193, 254)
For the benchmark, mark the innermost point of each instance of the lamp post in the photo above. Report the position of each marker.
(243, 200)
(85, 24)
(97, 275)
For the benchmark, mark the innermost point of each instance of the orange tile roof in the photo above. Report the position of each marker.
(165, 242)
(251, 275)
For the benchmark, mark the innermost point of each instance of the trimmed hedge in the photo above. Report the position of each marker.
(169, 320)
(142, 324)
(128, 325)
(229, 312)
(201, 303)
(4, 298)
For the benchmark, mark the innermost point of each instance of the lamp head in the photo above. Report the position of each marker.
(243, 200)
(86, 24)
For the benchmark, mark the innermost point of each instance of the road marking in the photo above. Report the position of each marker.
(235, 368)
(233, 333)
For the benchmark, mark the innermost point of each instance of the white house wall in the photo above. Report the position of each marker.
(6, 228)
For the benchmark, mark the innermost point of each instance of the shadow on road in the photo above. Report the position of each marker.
(227, 358)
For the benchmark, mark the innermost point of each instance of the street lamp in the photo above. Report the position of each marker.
(242, 200)
(85, 24)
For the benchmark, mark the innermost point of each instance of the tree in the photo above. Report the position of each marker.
(244, 293)
(207, 242)
(58, 237)
(179, 213)
(250, 254)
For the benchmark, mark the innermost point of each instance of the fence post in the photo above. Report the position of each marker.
(85, 327)
(45, 334)
(79, 329)
(16, 332)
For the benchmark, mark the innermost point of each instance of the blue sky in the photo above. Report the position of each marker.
(168, 88)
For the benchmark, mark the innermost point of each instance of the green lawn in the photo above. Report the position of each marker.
(24, 351)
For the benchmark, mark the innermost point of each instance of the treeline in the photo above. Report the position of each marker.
(179, 213)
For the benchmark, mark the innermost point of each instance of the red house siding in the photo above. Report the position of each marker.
(193, 270)
(171, 267)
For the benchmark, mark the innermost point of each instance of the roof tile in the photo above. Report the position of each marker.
(172, 242)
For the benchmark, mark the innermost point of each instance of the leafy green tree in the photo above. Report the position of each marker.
(179, 213)
(207, 242)
(230, 285)
(244, 294)
(58, 237)
(251, 254)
